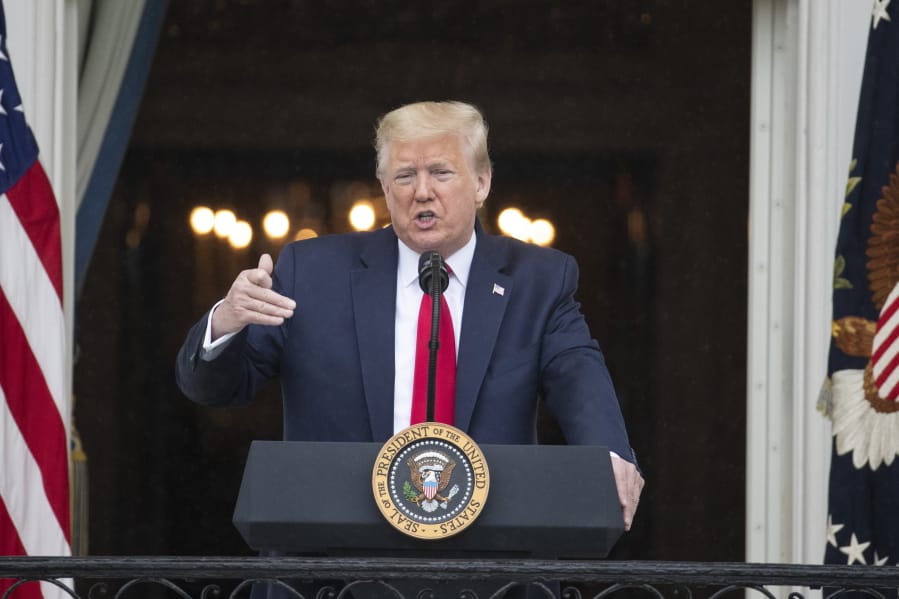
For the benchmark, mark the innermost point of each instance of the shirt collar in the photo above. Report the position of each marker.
(459, 262)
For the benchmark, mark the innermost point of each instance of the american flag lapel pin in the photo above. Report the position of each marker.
(498, 290)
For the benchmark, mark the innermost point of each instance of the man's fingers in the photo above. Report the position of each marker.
(266, 301)
(251, 300)
(629, 483)
(262, 274)
(266, 264)
(240, 309)
(262, 299)
(262, 306)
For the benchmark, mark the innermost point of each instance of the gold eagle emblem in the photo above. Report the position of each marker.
(854, 335)
(430, 469)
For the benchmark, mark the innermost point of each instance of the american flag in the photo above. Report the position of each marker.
(34, 404)
(863, 519)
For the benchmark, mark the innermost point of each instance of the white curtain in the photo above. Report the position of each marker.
(107, 29)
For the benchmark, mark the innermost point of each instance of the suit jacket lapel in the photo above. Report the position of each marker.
(486, 297)
(374, 307)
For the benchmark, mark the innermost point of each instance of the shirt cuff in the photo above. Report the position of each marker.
(212, 349)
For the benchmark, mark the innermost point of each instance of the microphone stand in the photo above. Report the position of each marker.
(434, 342)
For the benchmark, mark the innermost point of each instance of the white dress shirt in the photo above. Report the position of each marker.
(408, 301)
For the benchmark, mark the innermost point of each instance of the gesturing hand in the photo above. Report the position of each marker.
(251, 301)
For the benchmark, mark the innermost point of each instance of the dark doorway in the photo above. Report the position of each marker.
(626, 124)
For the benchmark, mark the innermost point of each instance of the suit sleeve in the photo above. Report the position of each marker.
(251, 357)
(575, 382)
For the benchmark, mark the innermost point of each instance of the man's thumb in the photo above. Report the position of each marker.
(265, 263)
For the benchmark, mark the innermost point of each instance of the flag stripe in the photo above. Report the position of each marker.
(886, 350)
(891, 306)
(887, 328)
(30, 409)
(888, 378)
(10, 544)
(34, 303)
(889, 389)
(22, 490)
(32, 200)
(885, 340)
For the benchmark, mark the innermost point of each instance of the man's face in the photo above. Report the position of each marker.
(433, 192)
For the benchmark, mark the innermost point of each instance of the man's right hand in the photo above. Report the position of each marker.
(251, 301)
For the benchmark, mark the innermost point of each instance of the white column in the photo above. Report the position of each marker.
(806, 72)
(765, 434)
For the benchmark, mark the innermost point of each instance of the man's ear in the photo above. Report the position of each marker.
(483, 187)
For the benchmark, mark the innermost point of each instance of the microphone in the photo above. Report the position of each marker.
(429, 264)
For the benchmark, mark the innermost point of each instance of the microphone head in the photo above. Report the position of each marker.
(428, 264)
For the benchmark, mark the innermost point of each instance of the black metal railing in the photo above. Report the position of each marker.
(222, 577)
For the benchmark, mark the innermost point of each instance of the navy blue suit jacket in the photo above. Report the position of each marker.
(335, 356)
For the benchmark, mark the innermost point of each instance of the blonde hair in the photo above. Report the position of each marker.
(425, 119)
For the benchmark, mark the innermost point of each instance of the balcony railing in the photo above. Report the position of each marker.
(206, 577)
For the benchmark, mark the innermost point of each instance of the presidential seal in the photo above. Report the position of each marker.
(430, 481)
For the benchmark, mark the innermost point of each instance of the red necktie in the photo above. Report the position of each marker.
(445, 383)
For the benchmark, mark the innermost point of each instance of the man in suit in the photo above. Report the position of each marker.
(336, 319)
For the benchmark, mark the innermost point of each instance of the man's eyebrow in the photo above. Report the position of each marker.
(411, 168)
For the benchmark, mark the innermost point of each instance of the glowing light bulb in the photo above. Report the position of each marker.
(241, 235)
(202, 219)
(276, 224)
(362, 216)
(224, 222)
(542, 232)
(514, 224)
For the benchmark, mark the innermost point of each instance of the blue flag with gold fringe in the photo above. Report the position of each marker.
(863, 367)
